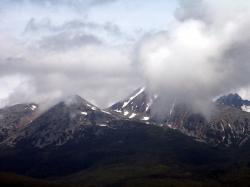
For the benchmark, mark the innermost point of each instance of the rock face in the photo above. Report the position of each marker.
(234, 100)
(137, 106)
(61, 123)
(68, 120)
(14, 118)
(228, 125)
(76, 136)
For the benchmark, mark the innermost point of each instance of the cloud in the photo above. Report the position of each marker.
(98, 72)
(69, 3)
(204, 54)
(57, 52)
(64, 40)
(82, 29)
(54, 48)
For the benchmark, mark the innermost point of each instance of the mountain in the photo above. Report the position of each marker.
(236, 101)
(127, 146)
(137, 106)
(228, 124)
(64, 121)
(16, 117)
(75, 143)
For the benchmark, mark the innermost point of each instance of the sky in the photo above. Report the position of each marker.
(192, 50)
(52, 48)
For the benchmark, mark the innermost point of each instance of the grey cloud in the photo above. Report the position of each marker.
(190, 9)
(204, 54)
(69, 3)
(35, 25)
(55, 59)
(65, 40)
(97, 72)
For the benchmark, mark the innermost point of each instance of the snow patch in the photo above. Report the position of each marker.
(245, 108)
(172, 108)
(106, 112)
(134, 96)
(147, 107)
(33, 107)
(103, 125)
(126, 113)
(84, 113)
(91, 106)
(145, 118)
(132, 115)
(119, 111)
(222, 127)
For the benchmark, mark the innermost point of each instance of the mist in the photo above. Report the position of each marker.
(51, 49)
(203, 54)
(197, 51)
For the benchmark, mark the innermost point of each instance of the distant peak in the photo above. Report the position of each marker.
(234, 95)
(73, 99)
(232, 99)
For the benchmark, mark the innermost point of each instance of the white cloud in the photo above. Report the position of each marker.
(56, 51)
(204, 54)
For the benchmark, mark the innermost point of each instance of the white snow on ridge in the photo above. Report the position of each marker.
(132, 115)
(145, 118)
(119, 111)
(151, 101)
(149, 104)
(126, 113)
(134, 96)
(106, 112)
(103, 125)
(245, 108)
(84, 113)
(33, 107)
(172, 108)
(91, 106)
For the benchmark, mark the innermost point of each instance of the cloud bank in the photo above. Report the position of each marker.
(51, 49)
(205, 53)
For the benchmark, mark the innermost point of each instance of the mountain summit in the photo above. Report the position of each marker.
(236, 101)
(228, 125)
(63, 122)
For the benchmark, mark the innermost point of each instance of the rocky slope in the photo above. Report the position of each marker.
(65, 121)
(14, 118)
(228, 125)
(79, 144)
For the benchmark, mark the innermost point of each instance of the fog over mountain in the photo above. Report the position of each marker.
(124, 93)
(196, 51)
(202, 55)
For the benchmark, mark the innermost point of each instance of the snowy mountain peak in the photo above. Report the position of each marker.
(138, 102)
(16, 117)
(65, 121)
(75, 100)
(227, 126)
(133, 97)
(234, 100)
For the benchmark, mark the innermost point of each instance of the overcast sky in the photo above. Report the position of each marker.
(51, 48)
(104, 49)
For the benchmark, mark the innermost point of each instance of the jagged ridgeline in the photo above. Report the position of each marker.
(78, 143)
